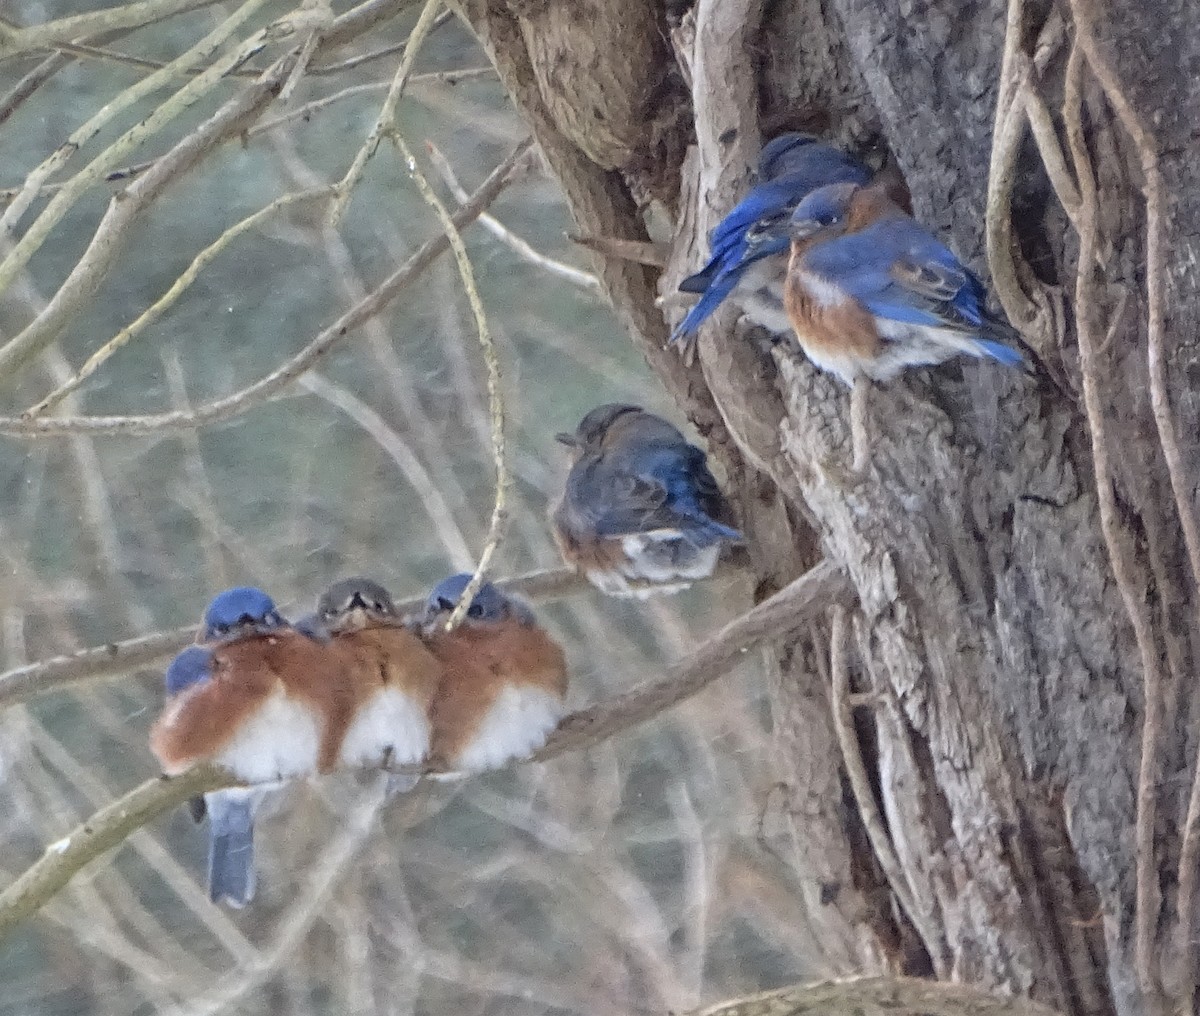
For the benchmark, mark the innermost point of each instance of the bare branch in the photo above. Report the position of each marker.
(133, 15)
(773, 620)
(495, 395)
(164, 302)
(584, 280)
(387, 112)
(877, 996)
(239, 402)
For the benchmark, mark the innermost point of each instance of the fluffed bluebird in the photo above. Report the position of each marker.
(640, 512)
(394, 676)
(503, 683)
(259, 699)
(870, 291)
(749, 246)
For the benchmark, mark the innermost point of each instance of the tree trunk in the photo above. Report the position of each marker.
(1025, 618)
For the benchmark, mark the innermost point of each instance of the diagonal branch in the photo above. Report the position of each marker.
(774, 620)
(239, 402)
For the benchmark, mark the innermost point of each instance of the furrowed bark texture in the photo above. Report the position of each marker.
(1005, 745)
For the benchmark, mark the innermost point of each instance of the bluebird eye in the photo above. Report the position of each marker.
(377, 607)
(220, 629)
(475, 610)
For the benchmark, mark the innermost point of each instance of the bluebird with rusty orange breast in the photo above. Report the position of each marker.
(749, 246)
(392, 673)
(640, 512)
(257, 698)
(870, 291)
(503, 683)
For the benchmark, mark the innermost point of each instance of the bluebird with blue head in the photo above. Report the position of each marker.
(259, 699)
(749, 246)
(393, 675)
(640, 512)
(503, 683)
(870, 291)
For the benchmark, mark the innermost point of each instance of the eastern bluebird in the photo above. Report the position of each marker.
(640, 513)
(870, 291)
(259, 699)
(394, 676)
(503, 679)
(749, 246)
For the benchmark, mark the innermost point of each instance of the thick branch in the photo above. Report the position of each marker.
(876, 996)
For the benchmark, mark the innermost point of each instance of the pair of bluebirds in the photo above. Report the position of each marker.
(822, 249)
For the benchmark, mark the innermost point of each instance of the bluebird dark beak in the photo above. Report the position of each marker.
(357, 601)
(570, 440)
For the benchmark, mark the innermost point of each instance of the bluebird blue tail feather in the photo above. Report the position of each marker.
(231, 874)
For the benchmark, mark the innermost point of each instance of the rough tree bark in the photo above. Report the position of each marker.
(1026, 611)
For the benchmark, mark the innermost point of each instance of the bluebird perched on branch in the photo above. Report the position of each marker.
(640, 513)
(503, 682)
(749, 246)
(392, 673)
(257, 698)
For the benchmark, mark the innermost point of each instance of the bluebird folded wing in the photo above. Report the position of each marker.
(756, 227)
(901, 273)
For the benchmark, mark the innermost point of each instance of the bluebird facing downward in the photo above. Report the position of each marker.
(749, 246)
(870, 291)
(259, 699)
(503, 679)
(641, 513)
(392, 673)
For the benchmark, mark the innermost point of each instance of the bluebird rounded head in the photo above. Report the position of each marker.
(242, 610)
(594, 426)
(777, 154)
(823, 208)
(489, 604)
(355, 598)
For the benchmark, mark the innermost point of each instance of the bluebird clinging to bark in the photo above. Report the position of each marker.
(503, 680)
(749, 246)
(640, 513)
(259, 699)
(870, 291)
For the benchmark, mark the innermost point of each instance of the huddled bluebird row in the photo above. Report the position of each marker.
(354, 684)
(821, 249)
(818, 248)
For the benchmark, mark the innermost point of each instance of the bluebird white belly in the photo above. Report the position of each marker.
(517, 725)
(391, 720)
(280, 740)
(654, 564)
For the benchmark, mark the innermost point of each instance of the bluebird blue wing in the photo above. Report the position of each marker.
(900, 272)
(660, 488)
(231, 873)
(190, 667)
(756, 227)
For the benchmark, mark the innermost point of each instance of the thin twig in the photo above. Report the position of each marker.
(134, 15)
(246, 398)
(495, 393)
(303, 112)
(860, 783)
(118, 151)
(1161, 406)
(582, 279)
(774, 620)
(387, 112)
(164, 302)
(1147, 893)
